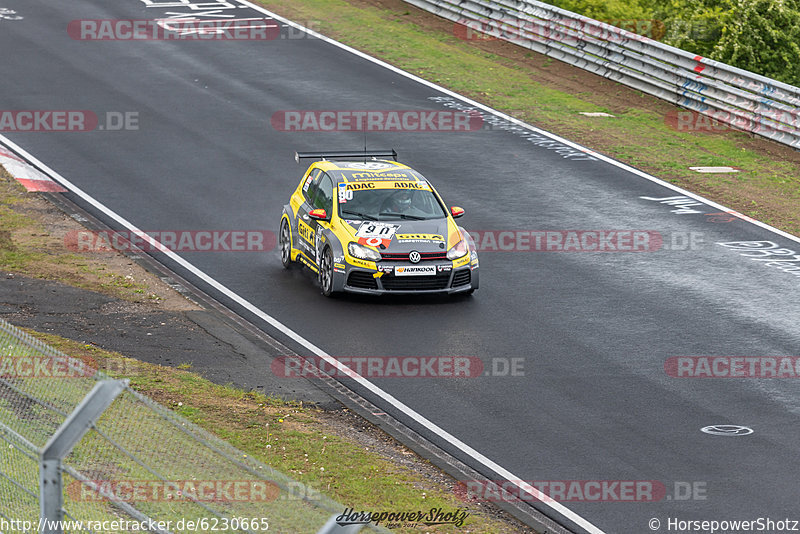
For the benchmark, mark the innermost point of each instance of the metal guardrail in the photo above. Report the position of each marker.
(741, 99)
(80, 452)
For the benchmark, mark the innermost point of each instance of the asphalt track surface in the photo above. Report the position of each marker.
(593, 329)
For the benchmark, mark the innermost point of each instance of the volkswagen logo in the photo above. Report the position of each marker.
(414, 256)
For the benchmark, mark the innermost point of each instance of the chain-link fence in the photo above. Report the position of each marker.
(138, 467)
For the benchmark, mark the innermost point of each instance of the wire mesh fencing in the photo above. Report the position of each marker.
(139, 467)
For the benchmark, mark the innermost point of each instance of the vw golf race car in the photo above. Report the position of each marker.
(375, 227)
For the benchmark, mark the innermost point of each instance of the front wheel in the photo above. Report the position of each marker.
(326, 273)
(286, 245)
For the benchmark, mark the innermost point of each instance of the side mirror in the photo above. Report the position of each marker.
(318, 213)
(456, 212)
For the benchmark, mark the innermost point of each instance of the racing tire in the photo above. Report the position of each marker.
(285, 237)
(326, 273)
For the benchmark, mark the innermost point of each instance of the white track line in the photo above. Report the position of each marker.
(441, 433)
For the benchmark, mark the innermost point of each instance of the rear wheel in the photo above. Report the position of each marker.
(326, 273)
(286, 245)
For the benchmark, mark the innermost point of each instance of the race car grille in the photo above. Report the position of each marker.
(415, 283)
(362, 280)
(462, 278)
(403, 256)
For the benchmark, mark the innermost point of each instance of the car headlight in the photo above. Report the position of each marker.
(363, 253)
(459, 250)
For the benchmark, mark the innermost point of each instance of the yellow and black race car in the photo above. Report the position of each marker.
(375, 227)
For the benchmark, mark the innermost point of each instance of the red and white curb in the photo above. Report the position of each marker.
(27, 175)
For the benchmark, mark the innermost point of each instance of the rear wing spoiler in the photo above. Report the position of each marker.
(345, 154)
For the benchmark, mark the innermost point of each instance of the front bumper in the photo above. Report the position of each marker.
(447, 280)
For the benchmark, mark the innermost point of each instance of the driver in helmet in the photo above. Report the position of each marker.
(400, 201)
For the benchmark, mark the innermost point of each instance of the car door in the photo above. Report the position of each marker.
(303, 222)
(323, 199)
(318, 194)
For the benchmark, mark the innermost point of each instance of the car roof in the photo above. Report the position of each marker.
(376, 170)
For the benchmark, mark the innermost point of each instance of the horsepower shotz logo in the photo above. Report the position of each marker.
(434, 516)
(409, 120)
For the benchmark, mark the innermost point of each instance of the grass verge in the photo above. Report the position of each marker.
(307, 444)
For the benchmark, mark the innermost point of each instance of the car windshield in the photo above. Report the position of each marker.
(391, 204)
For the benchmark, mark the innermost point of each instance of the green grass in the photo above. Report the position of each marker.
(288, 436)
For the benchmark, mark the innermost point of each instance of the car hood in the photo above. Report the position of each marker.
(431, 235)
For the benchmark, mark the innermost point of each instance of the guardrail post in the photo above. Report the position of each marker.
(51, 490)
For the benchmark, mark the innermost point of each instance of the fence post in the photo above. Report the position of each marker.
(51, 491)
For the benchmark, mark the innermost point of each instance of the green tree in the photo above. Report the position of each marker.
(762, 36)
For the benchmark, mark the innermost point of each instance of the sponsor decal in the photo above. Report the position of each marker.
(376, 234)
(418, 238)
(379, 175)
(305, 231)
(369, 165)
(415, 270)
(344, 193)
(460, 262)
(356, 187)
(411, 185)
(361, 263)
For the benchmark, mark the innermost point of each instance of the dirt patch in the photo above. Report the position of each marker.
(36, 231)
